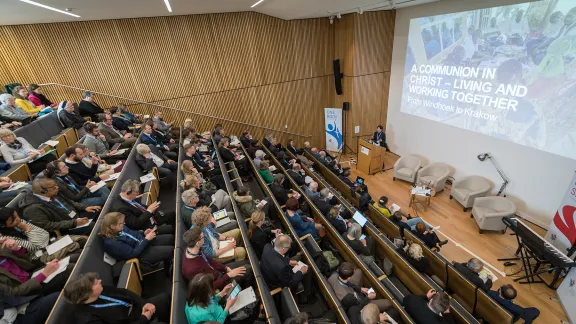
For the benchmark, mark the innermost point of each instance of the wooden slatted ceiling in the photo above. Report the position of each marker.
(240, 66)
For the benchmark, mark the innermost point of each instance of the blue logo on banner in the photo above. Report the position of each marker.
(335, 132)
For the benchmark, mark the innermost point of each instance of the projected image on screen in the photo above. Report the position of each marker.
(508, 72)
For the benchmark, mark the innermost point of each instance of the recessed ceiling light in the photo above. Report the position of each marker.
(257, 3)
(50, 8)
(167, 2)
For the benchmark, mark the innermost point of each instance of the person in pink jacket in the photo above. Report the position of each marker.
(37, 97)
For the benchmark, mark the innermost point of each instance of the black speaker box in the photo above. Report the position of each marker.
(337, 76)
(346, 106)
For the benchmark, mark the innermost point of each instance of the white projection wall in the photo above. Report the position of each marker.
(508, 72)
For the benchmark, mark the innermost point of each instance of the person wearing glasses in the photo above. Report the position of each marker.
(95, 303)
(17, 150)
(113, 135)
(123, 243)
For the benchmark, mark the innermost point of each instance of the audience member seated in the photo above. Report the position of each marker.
(29, 309)
(228, 155)
(428, 236)
(434, 308)
(300, 318)
(311, 190)
(148, 138)
(120, 122)
(7, 196)
(188, 137)
(123, 243)
(297, 174)
(259, 235)
(413, 253)
(159, 120)
(17, 151)
(369, 314)
(279, 191)
(138, 217)
(248, 205)
(94, 303)
(346, 283)
(89, 108)
(26, 234)
(335, 167)
(21, 95)
(265, 172)
(345, 177)
(364, 247)
(339, 222)
(96, 142)
(164, 138)
(103, 168)
(195, 261)
(380, 205)
(505, 296)
(114, 136)
(283, 160)
(191, 201)
(50, 211)
(213, 244)
(302, 224)
(70, 119)
(277, 269)
(299, 154)
(203, 164)
(471, 271)
(17, 269)
(36, 96)
(134, 118)
(203, 304)
(78, 170)
(258, 158)
(211, 196)
(149, 160)
(324, 202)
(9, 111)
(67, 186)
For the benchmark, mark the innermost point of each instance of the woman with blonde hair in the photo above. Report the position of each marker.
(17, 150)
(21, 95)
(258, 235)
(188, 168)
(415, 256)
(214, 242)
(123, 243)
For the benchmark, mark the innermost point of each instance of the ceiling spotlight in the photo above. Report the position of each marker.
(360, 11)
(257, 3)
(50, 8)
(331, 20)
(167, 2)
(339, 16)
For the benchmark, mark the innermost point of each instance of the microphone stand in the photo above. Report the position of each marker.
(502, 175)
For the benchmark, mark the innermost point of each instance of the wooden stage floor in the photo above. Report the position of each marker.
(465, 240)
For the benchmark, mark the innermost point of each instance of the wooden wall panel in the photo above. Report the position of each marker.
(373, 39)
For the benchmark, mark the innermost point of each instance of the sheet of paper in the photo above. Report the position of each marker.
(119, 152)
(371, 290)
(240, 157)
(272, 168)
(363, 236)
(356, 129)
(308, 179)
(229, 253)
(113, 177)
(62, 264)
(262, 203)
(60, 244)
(485, 273)
(115, 165)
(41, 155)
(87, 224)
(245, 298)
(298, 266)
(51, 143)
(146, 178)
(364, 150)
(16, 186)
(108, 259)
(390, 319)
(359, 218)
(394, 208)
(97, 186)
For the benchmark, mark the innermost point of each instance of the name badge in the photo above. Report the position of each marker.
(72, 214)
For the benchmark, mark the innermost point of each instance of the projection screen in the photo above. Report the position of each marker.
(507, 72)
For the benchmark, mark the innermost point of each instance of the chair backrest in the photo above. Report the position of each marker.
(71, 136)
(50, 124)
(409, 161)
(33, 133)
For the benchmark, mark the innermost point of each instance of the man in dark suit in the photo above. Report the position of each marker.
(504, 297)
(114, 136)
(148, 137)
(120, 122)
(89, 108)
(277, 268)
(150, 157)
(278, 190)
(323, 202)
(471, 269)
(430, 309)
(297, 174)
(379, 138)
(137, 216)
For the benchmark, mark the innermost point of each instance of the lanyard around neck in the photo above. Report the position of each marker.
(114, 302)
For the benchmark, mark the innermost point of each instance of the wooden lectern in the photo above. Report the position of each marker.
(370, 157)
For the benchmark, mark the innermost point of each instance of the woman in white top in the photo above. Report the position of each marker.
(16, 150)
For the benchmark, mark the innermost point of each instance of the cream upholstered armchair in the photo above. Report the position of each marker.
(406, 168)
(488, 212)
(434, 174)
(469, 188)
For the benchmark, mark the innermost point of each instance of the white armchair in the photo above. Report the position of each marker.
(406, 168)
(489, 211)
(469, 188)
(434, 174)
